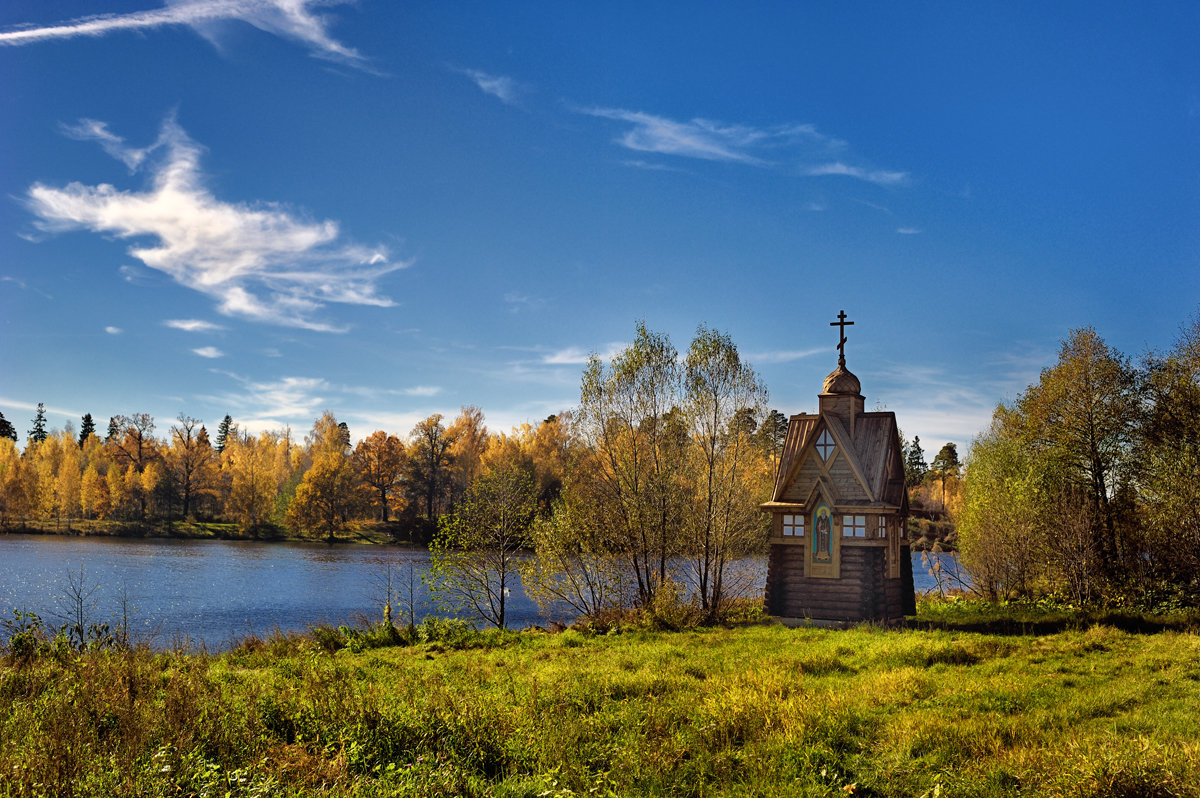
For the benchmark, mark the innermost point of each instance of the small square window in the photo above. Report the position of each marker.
(793, 526)
(854, 526)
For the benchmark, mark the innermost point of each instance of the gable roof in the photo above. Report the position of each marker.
(872, 453)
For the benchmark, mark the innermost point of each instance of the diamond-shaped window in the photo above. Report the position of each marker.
(825, 445)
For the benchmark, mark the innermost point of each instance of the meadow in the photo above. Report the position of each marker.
(751, 710)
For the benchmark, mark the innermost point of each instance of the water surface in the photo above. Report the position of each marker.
(213, 592)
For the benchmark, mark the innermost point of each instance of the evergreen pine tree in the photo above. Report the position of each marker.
(915, 467)
(113, 430)
(7, 430)
(223, 430)
(86, 427)
(38, 433)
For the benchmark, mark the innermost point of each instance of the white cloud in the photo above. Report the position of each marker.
(258, 261)
(738, 143)
(113, 330)
(503, 88)
(209, 352)
(878, 176)
(288, 19)
(422, 390)
(705, 139)
(785, 356)
(908, 231)
(260, 405)
(575, 356)
(193, 325)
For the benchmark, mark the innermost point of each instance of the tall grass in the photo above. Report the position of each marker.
(759, 710)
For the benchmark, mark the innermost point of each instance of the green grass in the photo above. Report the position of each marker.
(759, 710)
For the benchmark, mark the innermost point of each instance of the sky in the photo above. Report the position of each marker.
(388, 209)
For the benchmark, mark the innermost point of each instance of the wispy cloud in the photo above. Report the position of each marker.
(877, 176)
(651, 167)
(908, 231)
(113, 330)
(209, 352)
(517, 302)
(706, 139)
(258, 261)
(501, 87)
(771, 146)
(576, 356)
(193, 325)
(24, 286)
(785, 356)
(289, 19)
(422, 390)
(270, 405)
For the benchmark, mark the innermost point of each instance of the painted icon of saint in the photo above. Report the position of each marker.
(823, 534)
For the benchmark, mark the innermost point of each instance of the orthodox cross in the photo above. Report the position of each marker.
(842, 324)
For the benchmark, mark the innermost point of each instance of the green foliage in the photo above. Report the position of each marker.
(473, 560)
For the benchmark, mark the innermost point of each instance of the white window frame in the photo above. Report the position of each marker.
(854, 526)
(793, 525)
(882, 531)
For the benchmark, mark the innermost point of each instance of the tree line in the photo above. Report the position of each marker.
(664, 461)
(1087, 485)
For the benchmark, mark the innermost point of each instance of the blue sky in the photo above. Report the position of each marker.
(269, 208)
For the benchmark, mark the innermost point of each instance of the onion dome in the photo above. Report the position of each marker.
(841, 382)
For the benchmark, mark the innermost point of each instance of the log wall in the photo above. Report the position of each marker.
(862, 593)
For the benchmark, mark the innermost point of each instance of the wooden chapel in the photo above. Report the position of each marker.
(839, 511)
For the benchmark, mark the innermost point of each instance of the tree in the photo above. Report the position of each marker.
(429, 462)
(93, 493)
(225, 430)
(627, 416)
(134, 442)
(945, 463)
(86, 427)
(723, 395)
(14, 481)
(473, 560)
(249, 464)
(915, 468)
(1168, 457)
(325, 497)
(380, 460)
(1082, 415)
(1001, 532)
(469, 440)
(38, 433)
(574, 564)
(770, 435)
(7, 430)
(190, 461)
(113, 430)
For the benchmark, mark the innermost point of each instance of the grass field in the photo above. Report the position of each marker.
(759, 710)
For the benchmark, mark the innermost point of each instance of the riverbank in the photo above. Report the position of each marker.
(367, 532)
(759, 710)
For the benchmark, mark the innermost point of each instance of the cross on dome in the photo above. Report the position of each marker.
(842, 324)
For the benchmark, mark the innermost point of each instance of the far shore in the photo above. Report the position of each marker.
(374, 533)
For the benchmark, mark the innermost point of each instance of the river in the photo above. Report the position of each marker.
(209, 593)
